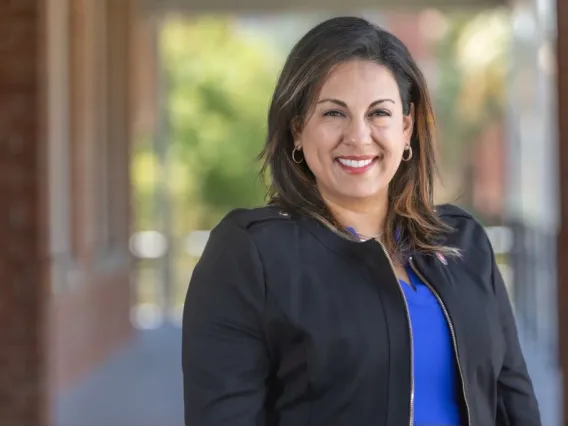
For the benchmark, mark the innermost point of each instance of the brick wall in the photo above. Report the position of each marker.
(144, 101)
(88, 324)
(23, 374)
(90, 307)
(65, 292)
(562, 74)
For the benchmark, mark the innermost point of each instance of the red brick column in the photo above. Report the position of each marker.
(23, 289)
(562, 73)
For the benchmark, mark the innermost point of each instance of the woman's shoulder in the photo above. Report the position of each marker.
(255, 218)
(263, 235)
(456, 216)
(468, 232)
(452, 211)
(260, 224)
(247, 218)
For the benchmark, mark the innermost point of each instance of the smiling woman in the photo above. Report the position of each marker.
(354, 127)
(351, 299)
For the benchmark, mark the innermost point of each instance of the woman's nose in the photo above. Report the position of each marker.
(358, 132)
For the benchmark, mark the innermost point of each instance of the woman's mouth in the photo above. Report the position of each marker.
(355, 164)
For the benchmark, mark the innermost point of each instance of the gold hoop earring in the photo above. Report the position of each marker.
(296, 149)
(408, 150)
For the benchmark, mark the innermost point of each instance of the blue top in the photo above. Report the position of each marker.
(435, 381)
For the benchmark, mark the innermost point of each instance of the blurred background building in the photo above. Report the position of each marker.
(128, 128)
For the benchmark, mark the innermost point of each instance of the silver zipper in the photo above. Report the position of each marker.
(410, 333)
(452, 332)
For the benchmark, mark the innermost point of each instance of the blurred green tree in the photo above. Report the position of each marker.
(220, 81)
(471, 94)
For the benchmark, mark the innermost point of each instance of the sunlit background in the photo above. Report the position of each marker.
(154, 120)
(194, 160)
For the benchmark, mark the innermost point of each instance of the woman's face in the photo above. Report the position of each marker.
(354, 139)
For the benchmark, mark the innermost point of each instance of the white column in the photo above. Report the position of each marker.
(532, 203)
(57, 126)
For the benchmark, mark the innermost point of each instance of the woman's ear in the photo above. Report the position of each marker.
(296, 128)
(408, 124)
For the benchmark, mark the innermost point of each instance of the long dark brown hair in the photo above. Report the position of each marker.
(412, 223)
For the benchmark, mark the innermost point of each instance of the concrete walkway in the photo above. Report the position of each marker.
(142, 386)
(139, 386)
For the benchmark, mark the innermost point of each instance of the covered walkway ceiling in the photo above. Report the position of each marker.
(336, 6)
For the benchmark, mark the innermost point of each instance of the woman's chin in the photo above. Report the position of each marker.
(361, 194)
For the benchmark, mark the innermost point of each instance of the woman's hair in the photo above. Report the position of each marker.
(413, 222)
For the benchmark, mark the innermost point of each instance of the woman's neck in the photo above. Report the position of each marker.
(366, 218)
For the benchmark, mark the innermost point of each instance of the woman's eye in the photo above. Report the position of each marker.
(381, 113)
(334, 113)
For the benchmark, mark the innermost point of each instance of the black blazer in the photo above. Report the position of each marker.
(288, 324)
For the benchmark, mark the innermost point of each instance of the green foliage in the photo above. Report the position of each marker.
(454, 130)
(220, 80)
(220, 83)
(143, 175)
(470, 95)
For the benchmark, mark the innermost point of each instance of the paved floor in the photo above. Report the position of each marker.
(140, 386)
(546, 378)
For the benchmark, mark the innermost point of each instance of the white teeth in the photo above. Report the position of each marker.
(355, 163)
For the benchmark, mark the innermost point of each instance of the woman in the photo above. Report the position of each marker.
(350, 300)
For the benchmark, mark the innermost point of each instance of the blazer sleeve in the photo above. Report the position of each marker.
(517, 405)
(225, 360)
